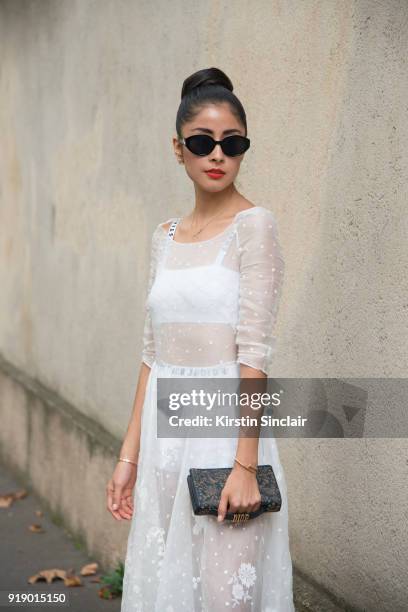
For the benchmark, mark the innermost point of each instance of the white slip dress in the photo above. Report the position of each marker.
(210, 306)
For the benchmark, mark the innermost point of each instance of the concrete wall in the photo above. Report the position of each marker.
(88, 97)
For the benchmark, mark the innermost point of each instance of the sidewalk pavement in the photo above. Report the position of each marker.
(24, 553)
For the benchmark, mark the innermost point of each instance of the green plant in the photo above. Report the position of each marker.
(113, 582)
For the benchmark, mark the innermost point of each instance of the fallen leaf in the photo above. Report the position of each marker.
(39, 513)
(104, 593)
(72, 581)
(35, 528)
(20, 494)
(97, 579)
(48, 575)
(7, 499)
(89, 570)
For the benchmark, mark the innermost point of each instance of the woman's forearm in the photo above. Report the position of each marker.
(247, 447)
(131, 442)
(247, 450)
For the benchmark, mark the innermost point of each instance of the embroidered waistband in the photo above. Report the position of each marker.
(228, 368)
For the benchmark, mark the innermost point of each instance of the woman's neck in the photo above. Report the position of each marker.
(208, 204)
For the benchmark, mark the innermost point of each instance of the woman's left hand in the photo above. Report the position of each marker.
(240, 491)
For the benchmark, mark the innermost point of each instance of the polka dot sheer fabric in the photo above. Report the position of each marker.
(217, 300)
(210, 306)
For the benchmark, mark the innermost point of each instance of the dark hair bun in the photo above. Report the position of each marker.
(205, 77)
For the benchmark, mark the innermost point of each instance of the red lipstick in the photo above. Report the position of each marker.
(215, 173)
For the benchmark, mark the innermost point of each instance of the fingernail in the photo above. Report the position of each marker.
(219, 518)
(115, 506)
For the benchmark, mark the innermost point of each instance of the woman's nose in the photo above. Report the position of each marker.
(217, 153)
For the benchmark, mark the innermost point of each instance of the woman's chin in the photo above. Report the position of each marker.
(213, 186)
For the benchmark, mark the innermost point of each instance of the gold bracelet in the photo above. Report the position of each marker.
(248, 467)
(127, 460)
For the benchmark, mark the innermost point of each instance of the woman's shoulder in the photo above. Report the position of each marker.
(256, 227)
(255, 218)
(163, 228)
(255, 212)
(157, 238)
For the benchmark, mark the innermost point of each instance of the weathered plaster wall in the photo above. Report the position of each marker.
(88, 97)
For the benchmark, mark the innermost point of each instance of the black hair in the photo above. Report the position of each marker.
(207, 86)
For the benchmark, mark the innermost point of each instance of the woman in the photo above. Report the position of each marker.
(214, 286)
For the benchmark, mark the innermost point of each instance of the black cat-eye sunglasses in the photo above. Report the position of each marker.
(201, 144)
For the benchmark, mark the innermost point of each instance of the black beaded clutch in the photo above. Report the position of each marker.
(205, 486)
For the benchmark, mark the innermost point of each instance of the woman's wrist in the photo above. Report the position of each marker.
(126, 460)
(248, 467)
(129, 451)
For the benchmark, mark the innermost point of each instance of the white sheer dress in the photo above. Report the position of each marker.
(210, 306)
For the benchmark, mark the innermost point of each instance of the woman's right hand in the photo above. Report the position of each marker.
(119, 490)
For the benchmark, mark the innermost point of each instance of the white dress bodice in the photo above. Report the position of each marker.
(215, 301)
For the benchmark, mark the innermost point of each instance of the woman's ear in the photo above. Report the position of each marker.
(178, 150)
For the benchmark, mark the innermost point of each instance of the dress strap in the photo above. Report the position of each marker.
(224, 248)
(172, 228)
(169, 237)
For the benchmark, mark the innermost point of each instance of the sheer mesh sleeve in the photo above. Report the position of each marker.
(261, 278)
(148, 352)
